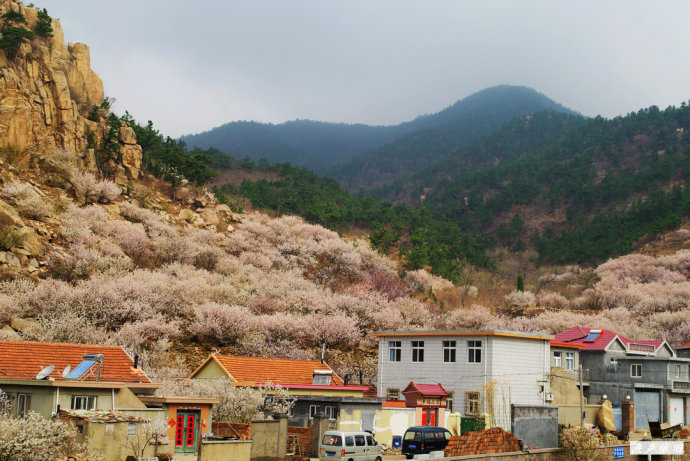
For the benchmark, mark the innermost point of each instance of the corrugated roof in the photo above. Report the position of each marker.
(577, 335)
(24, 359)
(555, 343)
(259, 370)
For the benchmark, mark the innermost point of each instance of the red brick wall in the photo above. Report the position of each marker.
(302, 436)
(244, 431)
(494, 440)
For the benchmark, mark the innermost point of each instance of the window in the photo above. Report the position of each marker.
(417, 351)
(360, 441)
(393, 394)
(313, 410)
(474, 351)
(449, 401)
(472, 402)
(83, 402)
(677, 371)
(349, 441)
(330, 412)
(448, 351)
(23, 404)
(370, 441)
(556, 359)
(570, 360)
(394, 351)
(636, 370)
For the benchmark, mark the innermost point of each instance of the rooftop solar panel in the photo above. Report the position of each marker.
(82, 368)
(592, 336)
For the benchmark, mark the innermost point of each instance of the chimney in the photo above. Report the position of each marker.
(136, 360)
(628, 411)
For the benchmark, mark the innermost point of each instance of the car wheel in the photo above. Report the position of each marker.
(378, 458)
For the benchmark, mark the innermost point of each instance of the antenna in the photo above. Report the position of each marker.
(66, 371)
(43, 374)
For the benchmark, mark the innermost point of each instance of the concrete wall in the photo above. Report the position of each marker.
(537, 426)
(556, 454)
(236, 450)
(109, 440)
(269, 439)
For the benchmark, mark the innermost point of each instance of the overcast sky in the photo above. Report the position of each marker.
(192, 65)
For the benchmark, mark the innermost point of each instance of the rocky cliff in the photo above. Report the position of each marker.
(47, 92)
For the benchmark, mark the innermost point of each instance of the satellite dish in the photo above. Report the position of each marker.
(66, 371)
(43, 374)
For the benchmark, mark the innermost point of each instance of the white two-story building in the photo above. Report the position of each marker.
(485, 371)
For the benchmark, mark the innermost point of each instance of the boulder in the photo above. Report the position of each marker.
(605, 417)
(23, 325)
(209, 216)
(30, 241)
(7, 332)
(188, 215)
(223, 208)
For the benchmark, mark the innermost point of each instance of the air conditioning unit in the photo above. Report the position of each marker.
(549, 397)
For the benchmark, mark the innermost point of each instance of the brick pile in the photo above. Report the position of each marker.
(494, 440)
(242, 431)
(302, 437)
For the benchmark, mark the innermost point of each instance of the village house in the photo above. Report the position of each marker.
(316, 387)
(684, 351)
(648, 372)
(46, 377)
(482, 371)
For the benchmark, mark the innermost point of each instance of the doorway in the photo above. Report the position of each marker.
(186, 431)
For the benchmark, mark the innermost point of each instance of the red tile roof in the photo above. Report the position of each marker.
(258, 370)
(577, 335)
(426, 389)
(685, 345)
(24, 359)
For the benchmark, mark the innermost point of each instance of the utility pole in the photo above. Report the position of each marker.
(582, 399)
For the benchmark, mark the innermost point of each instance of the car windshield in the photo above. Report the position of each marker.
(332, 440)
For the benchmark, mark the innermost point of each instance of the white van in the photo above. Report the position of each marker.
(349, 446)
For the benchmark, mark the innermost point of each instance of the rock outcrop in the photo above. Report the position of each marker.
(47, 92)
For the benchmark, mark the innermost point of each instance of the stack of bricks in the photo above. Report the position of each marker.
(233, 430)
(494, 440)
(303, 438)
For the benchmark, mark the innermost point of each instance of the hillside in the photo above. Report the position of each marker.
(322, 146)
(437, 136)
(95, 248)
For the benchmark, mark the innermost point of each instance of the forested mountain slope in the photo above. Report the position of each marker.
(321, 146)
(442, 134)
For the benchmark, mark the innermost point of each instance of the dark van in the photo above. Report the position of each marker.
(424, 439)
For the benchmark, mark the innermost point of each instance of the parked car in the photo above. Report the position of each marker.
(349, 446)
(424, 439)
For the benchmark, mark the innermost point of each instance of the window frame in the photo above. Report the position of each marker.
(449, 351)
(635, 366)
(315, 412)
(473, 403)
(394, 351)
(570, 361)
(417, 351)
(23, 405)
(91, 402)
(330, 411)
(392, 393)
(678, 370)
(556, 359)
(450, 401)
(474, 351)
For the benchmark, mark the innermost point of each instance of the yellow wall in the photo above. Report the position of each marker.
(392, 421)
(108, 441)
(328, 392)
(211, 370)
(563, 387)
(570, 414)
(235, 450)
(125, 398)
